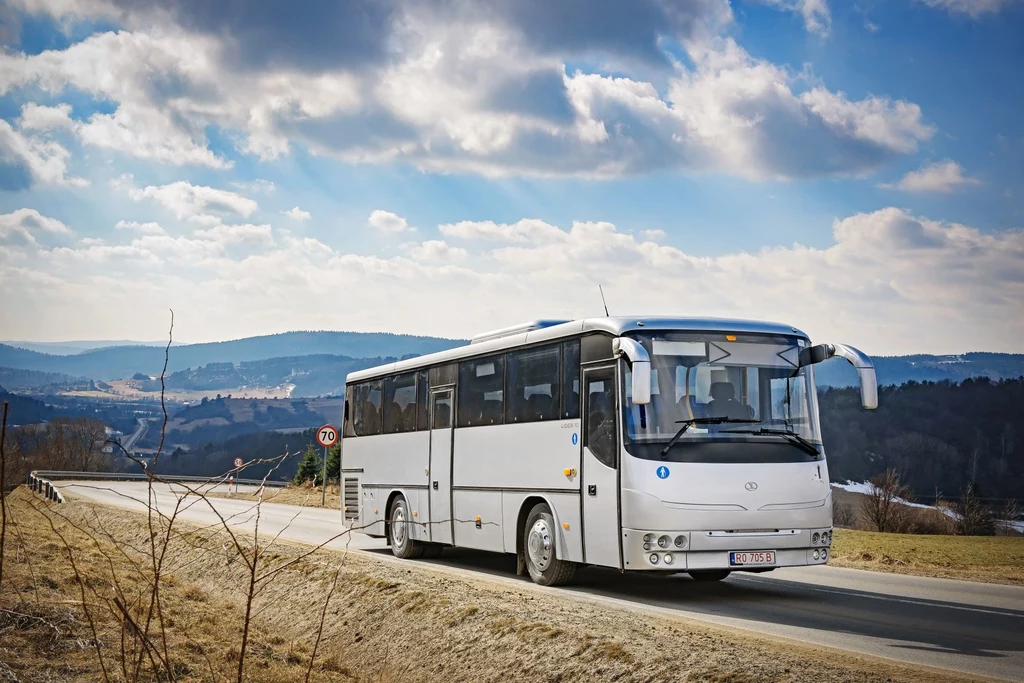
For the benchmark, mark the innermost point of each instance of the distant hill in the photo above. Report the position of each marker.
(923, 368)
(124, 361)
(36, 381)
(70, 348)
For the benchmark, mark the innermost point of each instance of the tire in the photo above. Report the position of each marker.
(401, 545)
(539, 545)
(709, 574)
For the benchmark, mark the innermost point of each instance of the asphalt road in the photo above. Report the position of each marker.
(968, 627)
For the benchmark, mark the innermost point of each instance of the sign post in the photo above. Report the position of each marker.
(238, 463)
(326, 436)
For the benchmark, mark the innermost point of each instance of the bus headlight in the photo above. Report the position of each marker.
(654, 558)
(663, 541)
(816, 555)
(814, 539)
(680, 541)
(825, 537)
(824, 554)
(669, 559)
(648, 538)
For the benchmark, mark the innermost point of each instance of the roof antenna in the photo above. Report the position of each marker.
(600, 289)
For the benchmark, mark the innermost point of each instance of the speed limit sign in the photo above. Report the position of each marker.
(238, 462)
(326, 436)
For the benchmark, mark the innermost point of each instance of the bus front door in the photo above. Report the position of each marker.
(440, 491)
(600, 469)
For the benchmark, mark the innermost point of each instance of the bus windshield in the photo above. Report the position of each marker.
(746, 387)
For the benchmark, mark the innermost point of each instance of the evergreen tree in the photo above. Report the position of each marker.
(309, 468)
(334, 463)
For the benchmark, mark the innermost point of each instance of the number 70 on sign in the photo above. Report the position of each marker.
(327, 436)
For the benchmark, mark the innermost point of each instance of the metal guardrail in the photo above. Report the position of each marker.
(40, 480)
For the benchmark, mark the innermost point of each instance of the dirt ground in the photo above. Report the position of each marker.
(66, 566)
(306, 496)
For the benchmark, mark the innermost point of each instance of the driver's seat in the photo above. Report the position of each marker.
(724, 404)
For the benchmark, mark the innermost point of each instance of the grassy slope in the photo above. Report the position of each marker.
(388, 620)
(974, 558)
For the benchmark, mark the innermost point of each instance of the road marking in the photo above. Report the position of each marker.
(907, 601)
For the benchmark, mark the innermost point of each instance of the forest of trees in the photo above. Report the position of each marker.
(939, 436)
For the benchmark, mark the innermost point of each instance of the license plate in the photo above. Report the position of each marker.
(760, 558)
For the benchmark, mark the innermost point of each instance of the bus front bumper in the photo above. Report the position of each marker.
(695, 550)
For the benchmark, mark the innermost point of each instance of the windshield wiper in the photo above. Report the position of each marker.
(700, 421)
(792, 437)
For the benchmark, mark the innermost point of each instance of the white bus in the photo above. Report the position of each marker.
(658, 444)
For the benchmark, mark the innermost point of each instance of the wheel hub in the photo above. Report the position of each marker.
(398, 526)
(538, 545)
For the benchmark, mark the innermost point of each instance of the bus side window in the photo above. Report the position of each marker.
(481, 392)
(347, 425)
(367, 405)
(600, 423)
(400, 404)
(533, 376)
(570, 380)
(421, 400)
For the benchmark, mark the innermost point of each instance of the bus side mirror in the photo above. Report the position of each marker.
(641, 383)
(637, 356)
(858, 359)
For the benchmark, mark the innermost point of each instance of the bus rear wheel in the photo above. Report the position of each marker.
(709, 574)
(539, 546)
(401, 544)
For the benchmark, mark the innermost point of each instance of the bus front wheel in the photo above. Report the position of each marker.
(539, 544)
(709, 574)
(401, 544)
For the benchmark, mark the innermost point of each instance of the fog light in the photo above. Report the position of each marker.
(663, 541)
(824, 555)
(815, 537)
(654, 558)
(680, 541)
(816, 554)
(669, 559)
(826, 537)
(648, 538)
(647, 546)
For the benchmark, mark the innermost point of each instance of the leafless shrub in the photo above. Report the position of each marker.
(842, 514)
(884, 508)
(972, 516)
(1009, 514)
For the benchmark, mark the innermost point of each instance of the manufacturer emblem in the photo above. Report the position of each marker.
(750, 486)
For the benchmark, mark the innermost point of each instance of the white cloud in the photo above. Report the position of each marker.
(297, 214)
(972, 8)
(453, 87)
(23, 225)
(41, 117)
(942, 176)
(654, 235)
(438, 251)
(258, 185)
(889, 282)
(387, 222)
(238, 234)
(527, 229)
(25, 160)
(816, 14)
(196, 202)
(148, 228)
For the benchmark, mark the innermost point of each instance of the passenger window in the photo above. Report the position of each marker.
(600, 435)
(400, 404)
(421, 400)
(367, 403)
(481, 392)
(532, 385)
(571, 379)
(347, 428)
(442, 410)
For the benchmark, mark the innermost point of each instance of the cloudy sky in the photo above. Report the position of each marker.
(449, 166)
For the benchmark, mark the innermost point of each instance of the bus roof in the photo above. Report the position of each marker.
(547, 331)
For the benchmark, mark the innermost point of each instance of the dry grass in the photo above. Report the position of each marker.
(306, 495)
(387, 621)
(992, 559)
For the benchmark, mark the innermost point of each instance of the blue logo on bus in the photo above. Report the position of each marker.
(575, 438)
(663, 472)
